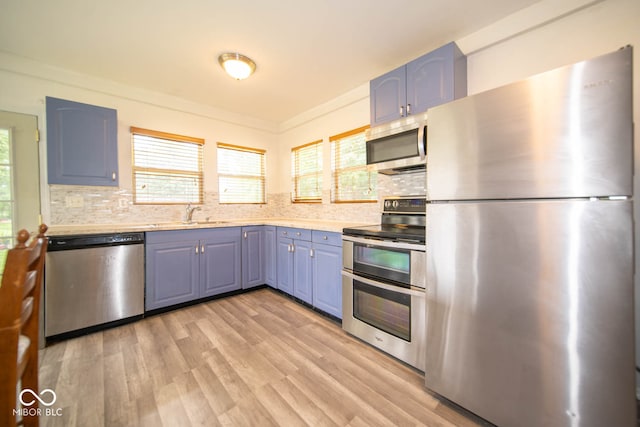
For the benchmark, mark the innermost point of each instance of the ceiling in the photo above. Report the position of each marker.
(307, 51)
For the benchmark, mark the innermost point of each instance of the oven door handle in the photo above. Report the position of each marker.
(385, 244)
(414, 290)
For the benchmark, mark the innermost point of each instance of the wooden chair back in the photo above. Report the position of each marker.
(19, 318)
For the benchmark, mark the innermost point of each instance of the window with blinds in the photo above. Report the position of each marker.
(306, 168)
(241, 174)
(167, 168)
(353, 180)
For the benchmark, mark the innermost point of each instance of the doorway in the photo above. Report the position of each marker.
(19, 178)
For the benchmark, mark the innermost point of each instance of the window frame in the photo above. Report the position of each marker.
(167, 171)
(333, 140)
(262, 177)
(4, 248)
(295, 177)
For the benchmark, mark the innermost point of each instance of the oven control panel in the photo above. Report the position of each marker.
(405, 205)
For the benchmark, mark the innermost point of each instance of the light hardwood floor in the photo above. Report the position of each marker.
(255, 359)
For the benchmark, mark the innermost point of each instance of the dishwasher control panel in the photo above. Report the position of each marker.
(126, 238)
(81, 241)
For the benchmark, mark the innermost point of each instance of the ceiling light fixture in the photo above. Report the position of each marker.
(236, 65)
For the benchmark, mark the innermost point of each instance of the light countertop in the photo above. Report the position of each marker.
(65, 230)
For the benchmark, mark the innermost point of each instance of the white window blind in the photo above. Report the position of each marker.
(241, 174)
(353, 180)
(167, 168)
(306, 168)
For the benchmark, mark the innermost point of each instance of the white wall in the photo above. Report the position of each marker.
(24, 86)
(595, 30)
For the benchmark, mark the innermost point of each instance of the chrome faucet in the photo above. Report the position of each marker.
(188, 215)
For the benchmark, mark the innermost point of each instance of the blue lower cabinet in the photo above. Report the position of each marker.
(220, 262)
(309, 267)
(327, 272)
(327, 278)
(284, 264)
(186, 265)
(270, 256)
(294, 262)
(303, 270)
(173, 274)
(253, 256)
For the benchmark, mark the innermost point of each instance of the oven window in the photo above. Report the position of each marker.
(383, 309)
(390, 264)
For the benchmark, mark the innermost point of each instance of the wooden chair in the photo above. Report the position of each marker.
(19, 309)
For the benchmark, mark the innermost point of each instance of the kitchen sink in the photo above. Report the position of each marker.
(180, 224)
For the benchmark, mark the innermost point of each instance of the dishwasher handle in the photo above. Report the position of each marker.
(83, 241)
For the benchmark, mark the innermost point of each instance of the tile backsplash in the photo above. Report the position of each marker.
(71, 205)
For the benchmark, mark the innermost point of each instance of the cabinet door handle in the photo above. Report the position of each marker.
(325, 237)
(245, 235)
(298, 233)
(113, 176)
(284, 233)
(402, 111)
(202, 249)
(197, 249)
(408, 109)
(311, 253)
(293, 248)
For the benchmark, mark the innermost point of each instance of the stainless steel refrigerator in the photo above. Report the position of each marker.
(530, 318)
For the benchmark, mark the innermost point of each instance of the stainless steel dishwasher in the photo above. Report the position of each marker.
(92, 280)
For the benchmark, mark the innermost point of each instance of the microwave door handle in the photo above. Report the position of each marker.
(422, 142)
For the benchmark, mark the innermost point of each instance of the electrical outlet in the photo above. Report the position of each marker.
(74, 201)
(123, 203)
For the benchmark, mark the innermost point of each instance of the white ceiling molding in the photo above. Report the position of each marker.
(521, 22)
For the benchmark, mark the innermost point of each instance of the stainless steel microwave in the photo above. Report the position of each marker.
(399, 146)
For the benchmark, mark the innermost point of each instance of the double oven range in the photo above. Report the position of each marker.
(383, 281)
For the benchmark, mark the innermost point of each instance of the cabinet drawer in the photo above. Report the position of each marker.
(294, 233)
(327, 237)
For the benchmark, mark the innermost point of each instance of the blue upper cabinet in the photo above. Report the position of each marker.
(435, 78)
(82, 143)
(388, 96)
